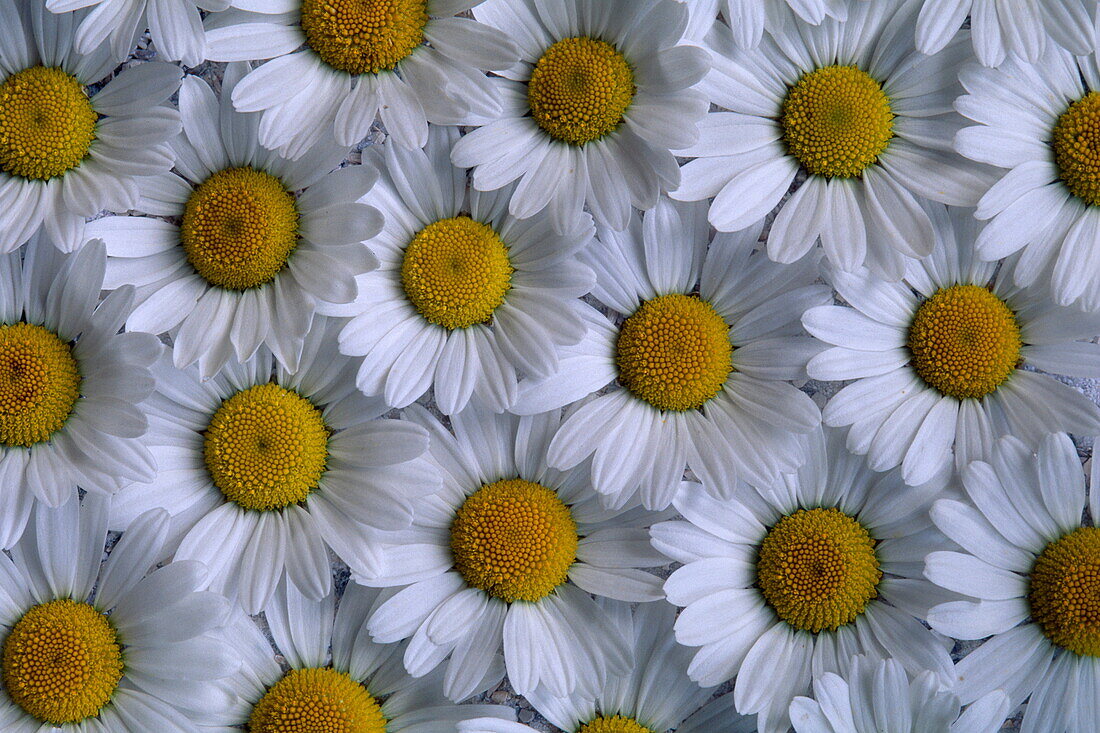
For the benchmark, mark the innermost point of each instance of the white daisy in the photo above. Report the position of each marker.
(786, 583)
(410, 62)
(140, 654)
(854, 107)
(65, 155)
(262, 468)
(599, 98)
(878, 697)
(506, 554)
(466, 294)
(1030, 570)
(257, 241)
(697, 362)
(70, 383)
(939, 360)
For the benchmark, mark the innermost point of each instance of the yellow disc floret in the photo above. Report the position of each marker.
(837, 121)
(266, 447)
(364, 36)
(1076, 143)
(456, 272)
(580, 89)
(39, 384)
(965, 341)
(1065, 591)
(239, 227)
(514, 539)
(62, 662)
(613, 724)
(47, 123)
(818, 569)
(674, 352)
(317, 700)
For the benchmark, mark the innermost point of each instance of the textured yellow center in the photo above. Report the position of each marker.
(39, 384)
(1077, 148)
(456, 272)
(364, 36)
(965, 341)
(514, 539)
(818, 569)
(1065, 591)
(674, 352)
(266, 447)
(62, 662)
(317, 700)
(580, 89)
(239, 227)
(837, 121)
(47, 123)
(613, 724)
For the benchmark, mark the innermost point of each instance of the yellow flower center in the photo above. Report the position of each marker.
(580, 89)
(514, 539)
(1076, 143)
(613, 724)
(456, 272)
(965, 341)
(39, 384)
(317, 700)
(266, 447)
(47, 123)
(62, 662)
(818, 569)
(1065, 591)
(674, 352)
(837, 121)
(364, 36)
(239, 227)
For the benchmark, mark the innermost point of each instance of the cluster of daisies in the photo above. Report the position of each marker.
(399, 355)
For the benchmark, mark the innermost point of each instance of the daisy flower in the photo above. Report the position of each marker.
(786, 583)
(141, 653)
(938, 360)
(410, 62)
(697, 362)
(262, 468)
(466, 294)
(855, 108)
(506, 554)
(256, 241)
(1029, 569)
(70, 383)
(67, 153)
(591, 112)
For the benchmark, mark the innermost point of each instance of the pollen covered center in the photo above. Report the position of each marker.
(266, 447)
(239, 228)
(39, 384)
(317, 700)
(964, 341)
(1076, 143)
(456, 272)
(514, 539)
(613, 724)
(364, 36)
(837, 121)
(818, 569)
(580, 89)
(1065, 591)
(62, 662)
(47, 123)
(674, 352)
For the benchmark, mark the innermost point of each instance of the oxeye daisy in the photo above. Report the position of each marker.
(939, 358)
(255, 244)
(410, 62)
(854, 107)
(1031, 571)
(262, 468)
(466, 294)
(785, 583)
(600, 96)
(67, 153)
(697, 351)
(506, 553)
